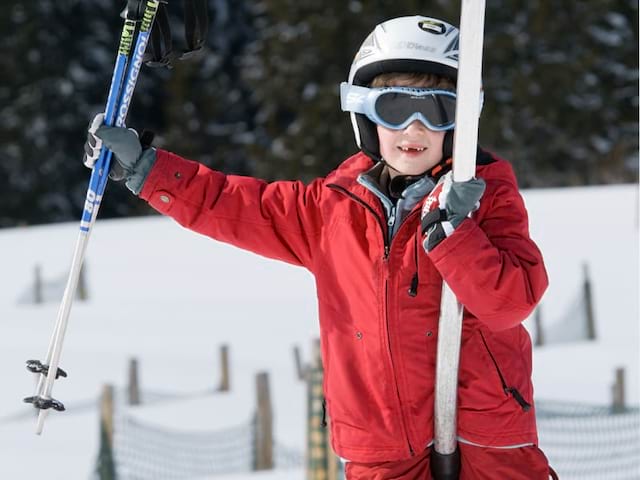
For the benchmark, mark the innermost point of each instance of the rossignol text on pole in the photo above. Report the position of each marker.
(117, 104)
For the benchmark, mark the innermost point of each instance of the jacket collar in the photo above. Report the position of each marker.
(346, 174)
(396, 211)
(360, 175)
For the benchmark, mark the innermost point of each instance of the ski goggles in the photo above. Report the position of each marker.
(397, 107)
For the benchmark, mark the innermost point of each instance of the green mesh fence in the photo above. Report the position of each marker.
(589, 442)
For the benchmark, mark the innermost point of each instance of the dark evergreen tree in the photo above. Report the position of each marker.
(562, 90)
(561, 84)
(206, 111)
(56, 67)
(303, 51)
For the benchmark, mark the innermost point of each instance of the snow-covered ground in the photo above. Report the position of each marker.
(170, 298)
(597, 226)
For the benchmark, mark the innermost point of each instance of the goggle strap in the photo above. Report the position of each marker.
(352, 98)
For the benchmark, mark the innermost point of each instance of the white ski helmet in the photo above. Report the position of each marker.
(402, 45)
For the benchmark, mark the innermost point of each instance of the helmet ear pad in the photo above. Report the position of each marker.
(369, 142)
(447, 145)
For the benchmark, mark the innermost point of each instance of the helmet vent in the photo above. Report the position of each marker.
(432, 26)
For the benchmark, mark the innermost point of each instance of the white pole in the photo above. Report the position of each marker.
(465, 146)
(45, 385)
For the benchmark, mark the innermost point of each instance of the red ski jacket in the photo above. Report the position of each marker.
(378, 340)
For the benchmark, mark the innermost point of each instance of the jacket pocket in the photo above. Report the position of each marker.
(506, 388)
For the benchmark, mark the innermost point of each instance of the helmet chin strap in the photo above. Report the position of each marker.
(384, 162)
(399, 183)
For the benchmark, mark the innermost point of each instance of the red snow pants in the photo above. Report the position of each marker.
(477, 463)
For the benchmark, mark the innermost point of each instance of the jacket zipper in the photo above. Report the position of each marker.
(385, 258)
(371, 209)
(526, 406)
(413, 289)
(386, 320)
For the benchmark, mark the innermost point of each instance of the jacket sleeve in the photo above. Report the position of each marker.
(278, 220)
(490, 262)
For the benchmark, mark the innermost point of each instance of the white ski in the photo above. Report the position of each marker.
(465, 146)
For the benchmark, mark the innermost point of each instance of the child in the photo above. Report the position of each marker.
(380, 237)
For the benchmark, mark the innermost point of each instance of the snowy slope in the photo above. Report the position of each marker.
(597, 226)
(170, 298)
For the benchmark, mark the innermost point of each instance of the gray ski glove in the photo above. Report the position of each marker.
(133, 156)
(448, 204)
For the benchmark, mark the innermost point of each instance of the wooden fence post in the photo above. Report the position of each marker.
(591, 323)
(134, 382)
(105, 467)
(537, 321)
(264, 425)
(322, 463)
(618, 392)
(300, 369)
(225, 381)
(37, 285)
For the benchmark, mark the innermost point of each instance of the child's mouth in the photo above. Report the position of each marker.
(412, 149)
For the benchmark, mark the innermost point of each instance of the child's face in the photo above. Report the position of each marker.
(411, 151)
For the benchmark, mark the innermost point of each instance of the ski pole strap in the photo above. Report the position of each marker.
(196, 23)
(134, 10)
(146, 138)
(161, 44)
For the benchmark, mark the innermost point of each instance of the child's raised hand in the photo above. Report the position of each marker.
(132, 156)
(448, 204)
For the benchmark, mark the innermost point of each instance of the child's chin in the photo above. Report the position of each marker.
(413, 170)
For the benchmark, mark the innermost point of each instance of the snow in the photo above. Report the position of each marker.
(597, 226)
(171, 298)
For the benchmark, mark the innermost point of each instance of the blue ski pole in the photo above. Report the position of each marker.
(104, 161)
(118, 102)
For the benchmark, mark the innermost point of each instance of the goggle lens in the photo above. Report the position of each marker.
(395, 108)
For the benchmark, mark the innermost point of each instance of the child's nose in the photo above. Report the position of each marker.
(416, 125)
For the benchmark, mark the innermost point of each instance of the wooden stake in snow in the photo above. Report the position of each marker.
(264, 424)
